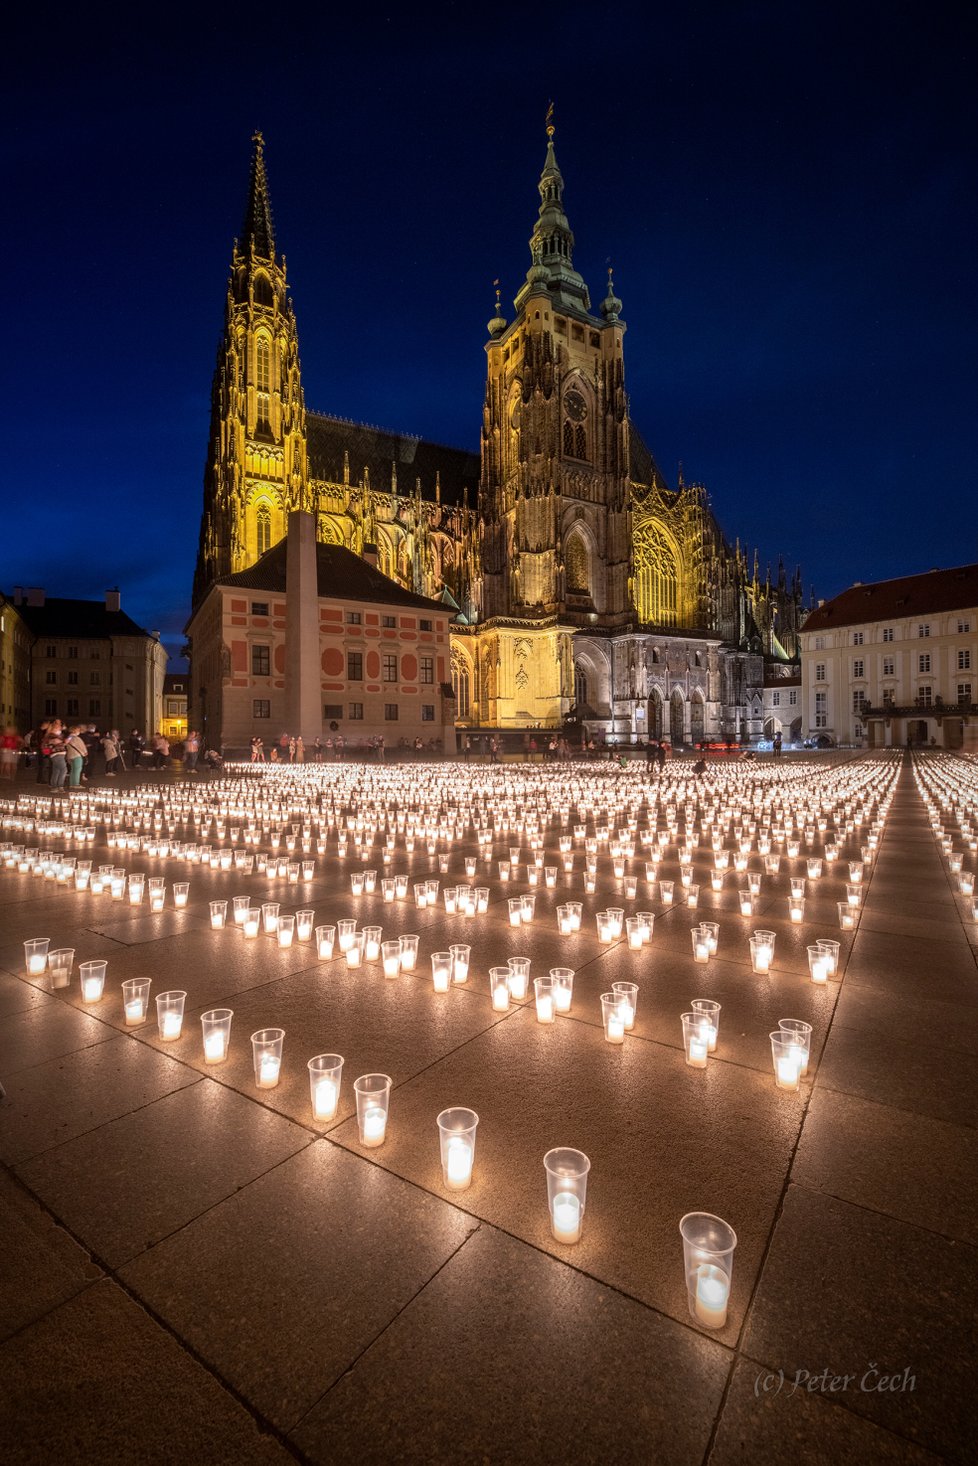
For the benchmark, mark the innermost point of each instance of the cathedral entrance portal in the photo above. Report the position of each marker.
(696, 720)
(677, 720)
(655, 716)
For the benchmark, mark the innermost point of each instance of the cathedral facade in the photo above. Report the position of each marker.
(581, 586)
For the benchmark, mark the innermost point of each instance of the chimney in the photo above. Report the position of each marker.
(35, 595)
(113, 599)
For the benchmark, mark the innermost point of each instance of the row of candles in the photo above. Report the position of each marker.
(552, 996)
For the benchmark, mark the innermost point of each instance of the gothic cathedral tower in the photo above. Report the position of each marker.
(256, 468)
(555, 473)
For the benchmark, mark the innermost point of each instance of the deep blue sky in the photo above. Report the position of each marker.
(787, 193)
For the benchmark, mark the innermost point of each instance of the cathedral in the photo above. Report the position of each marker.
(583, 590)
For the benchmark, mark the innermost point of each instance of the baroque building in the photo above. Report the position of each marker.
(581, 585)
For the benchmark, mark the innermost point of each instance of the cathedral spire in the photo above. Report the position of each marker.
(257, 233)
(552, 241)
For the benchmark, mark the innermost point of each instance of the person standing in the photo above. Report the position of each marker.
(57, 749)
(110, 750)
(191, 751)
(75, 754)
(9, 744)
(300, 750)
(39, 743)
(92, 744)
(317, 750)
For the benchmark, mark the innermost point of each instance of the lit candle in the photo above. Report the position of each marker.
(268, 1071)
(458, 1164)
(374, 1126)
(500, 997)
(546, 1007)
(820, 969)
(712, 1293)
(36, 964)
(788, 1069)
(91, 989)
(566, 1217)
(701, 951)
(134, 1011)
(697, 1053)
(214, 1047)
(615, 1033)
(325, 1099)
(563, 996)
(172, 1024)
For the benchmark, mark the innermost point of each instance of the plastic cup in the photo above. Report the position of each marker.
(137, 885)
(796, 909)
(59, 966)
(181, 894)
(216, 1028)
(92, 976)
(456, 1138)
(408, 945)
(390, 953)
(707, 1009)
(325, 1077)
(266, 1051)
(567, 1172)
(355, 949)
(519, 978)
(847, 916)
(325, 936)
(708, 1248)
(701, 944)
(241, 906)
(304, 921)
(819, 964)
(762, 951)
(269, 917)
(802, 1037)
(373, 1092)
(135, 999)
(441, 971)
(614, 1023)
(627, 995)
(36, 956)
(499, 988)
(169, 1014)
(371, 943)
(545, 999)
(286, 931)
(696, 1039)
(219, 915)
(460, 962)
(563, 988)
(831, 951)
(787, 1058)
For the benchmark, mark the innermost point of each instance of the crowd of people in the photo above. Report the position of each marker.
(68, 755)
(292, 749)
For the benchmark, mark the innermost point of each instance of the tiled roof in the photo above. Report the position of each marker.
(329, 438)
(340, 576)
(910, 595)
(86, 620)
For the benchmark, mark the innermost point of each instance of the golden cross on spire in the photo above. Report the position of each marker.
(550, 120)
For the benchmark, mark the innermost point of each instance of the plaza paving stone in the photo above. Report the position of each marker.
(194, 1269)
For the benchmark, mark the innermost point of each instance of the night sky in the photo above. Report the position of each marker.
(786, 191)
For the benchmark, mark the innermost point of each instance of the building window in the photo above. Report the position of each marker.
(427, 712)
(656, 578)
(924, 629)
(261, 661)
(260, 608)
(964, 628)
(859, 668)
(72, 679)
(51, 678)
(333, 710)
(73, 653)
(50, 651)
(821, 710)
(775, 699)
(793, 698)
(353, 618)
(425, 624)
(964, 659)
(889, 666)
(820, 643)
(388, 621)
(50, 706)
(94, 679)
(261, 708)
(461, 688)
(925, 696)
(263, 533)
(887, 633)
(390, 667)
(356, 712)
(354, 666)
(390, 712)
(94, 707)
(71, 707)
(576, 569)
(964, 692)
(857, 638)
(428, 669)
(923, 662)
(819, 671)
(858, 700)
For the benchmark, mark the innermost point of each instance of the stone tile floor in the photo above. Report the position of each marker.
(195, 1270)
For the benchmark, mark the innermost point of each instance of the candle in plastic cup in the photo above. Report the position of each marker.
(696, 1041)
(456, 1138)
(460, 962)
(801, 1033)
(712, 1295)
(241, 905)
(519, 978)
(391, 957)
(563, 988)
(354, 951)
(325, 936)
(92, 976)
(219, 913)
(701, 945)
(169, 1014)
(441, 971)
(787, 1058)
(216, 1028)
(818, 965)
(830, 950)
(709, 1013)
(627, 996)
(304, 925)
(762, 951)
(614, 1023)
(371, 943)
(409, 951)
(708, 1248)
(325, 1074)
(181, 892)
(567, 1172)
(546, 1003)
(373, 1099)
(286, 930)
(36, 956)
(499, 988)
(266, 1049)
(135, 998)
(59, 965)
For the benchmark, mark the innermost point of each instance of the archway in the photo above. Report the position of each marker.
(697, 719)
(677, 718)
(655, 714)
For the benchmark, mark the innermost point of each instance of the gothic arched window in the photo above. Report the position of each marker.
(263, 291)
(262, 378)
(580, 688)
(656, 578)
(576, 566)
(580, 442)
(263, 529)
(568, 440)
(461, 686)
